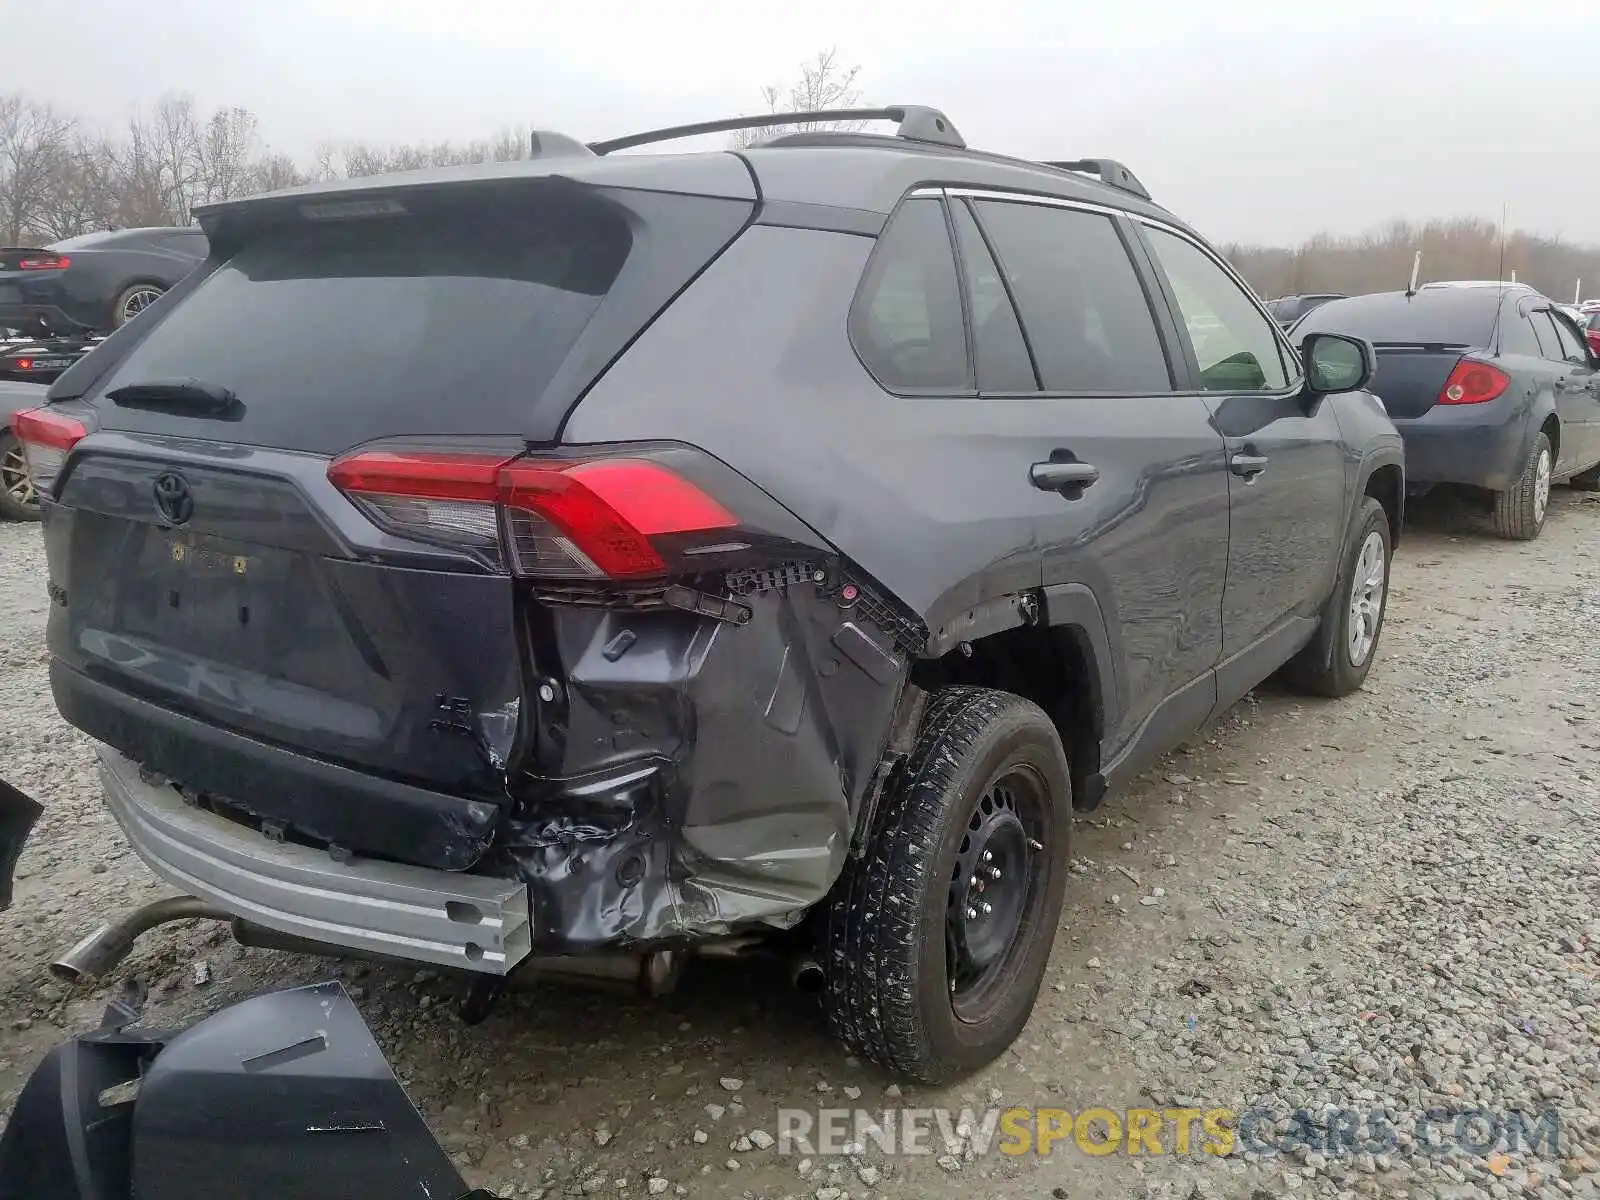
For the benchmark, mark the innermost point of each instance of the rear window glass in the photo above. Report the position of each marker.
(448, 321)
(1459, 317)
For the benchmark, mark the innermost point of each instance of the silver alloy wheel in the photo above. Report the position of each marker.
(1366, 598)
(14, 478)
(1541, 485)
(136, 301)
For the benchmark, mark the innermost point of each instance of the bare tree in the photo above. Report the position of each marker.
(271, 172)
(229, 148)
(823, 84)
(33, 139)
(84, 189)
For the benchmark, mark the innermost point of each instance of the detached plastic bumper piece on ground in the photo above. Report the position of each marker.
(281, 1097)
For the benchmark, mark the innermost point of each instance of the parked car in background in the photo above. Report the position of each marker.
(1286, 310)
(1591, 330)
(97, 281)
(497, 633)
(18, 500)
(36, 359)
(1492, 386)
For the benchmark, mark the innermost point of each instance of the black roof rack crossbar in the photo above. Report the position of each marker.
(917, 122)
(1110, 172)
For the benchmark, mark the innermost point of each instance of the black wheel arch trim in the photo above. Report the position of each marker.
(1371, 463)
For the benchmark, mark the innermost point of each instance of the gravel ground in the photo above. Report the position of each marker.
(1387, 906)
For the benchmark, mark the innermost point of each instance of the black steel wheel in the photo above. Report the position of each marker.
(937, 938)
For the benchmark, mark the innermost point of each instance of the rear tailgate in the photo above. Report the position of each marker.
(1410, 377)
(212, 582)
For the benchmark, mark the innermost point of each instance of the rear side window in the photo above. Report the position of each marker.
(997, 342)
(906, 323)
(1082, 307)
(1549, 340)
(1572, 350)
(1518, 336)
(1235, 344)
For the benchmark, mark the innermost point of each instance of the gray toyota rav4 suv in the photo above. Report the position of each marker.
(630, 555)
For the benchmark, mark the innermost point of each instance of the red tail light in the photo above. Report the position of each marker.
(45, 262)
(1473, 383)
(545, 517)
(47, 438)
(24, 364)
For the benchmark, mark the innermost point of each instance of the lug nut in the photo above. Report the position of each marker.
(985, 908)
(1035, 845)
(972, 914)
(988, 856)
(994, 872)
(973, 882)
(547, 692)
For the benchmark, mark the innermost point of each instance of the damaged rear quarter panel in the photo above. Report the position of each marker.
(694, 777)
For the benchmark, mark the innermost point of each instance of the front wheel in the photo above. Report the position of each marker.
(18, 499)
(937, 937)
(1338, 659)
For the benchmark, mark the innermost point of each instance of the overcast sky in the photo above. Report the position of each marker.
(1256, 120)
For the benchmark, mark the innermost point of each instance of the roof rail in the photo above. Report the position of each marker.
(917, 122)
(1110, 172)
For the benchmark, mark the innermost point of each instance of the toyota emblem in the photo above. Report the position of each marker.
(174, 500)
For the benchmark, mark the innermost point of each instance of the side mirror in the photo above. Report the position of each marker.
(1335, 363)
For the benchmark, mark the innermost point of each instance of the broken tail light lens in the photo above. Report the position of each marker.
(1473, 383)
(587, 519)
(47, 438)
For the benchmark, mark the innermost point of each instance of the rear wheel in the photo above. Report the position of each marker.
(1519, 512)
(18, 500)
(132, 301)
(938, 936)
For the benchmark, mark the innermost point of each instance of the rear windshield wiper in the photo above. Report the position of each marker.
(177, 395)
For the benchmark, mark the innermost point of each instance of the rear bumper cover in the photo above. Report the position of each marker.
(471, 922)
(1455, 444)
(393, 820)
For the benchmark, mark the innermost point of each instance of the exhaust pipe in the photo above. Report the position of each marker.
(805, 975)
(650, 975)
(107, 946)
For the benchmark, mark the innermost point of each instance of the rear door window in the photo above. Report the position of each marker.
(1082, 306)
(1235, 344)
(1003, 362)
(906, 323)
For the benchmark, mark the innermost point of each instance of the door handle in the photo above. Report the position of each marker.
(1062, 476)
(1248, 465)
